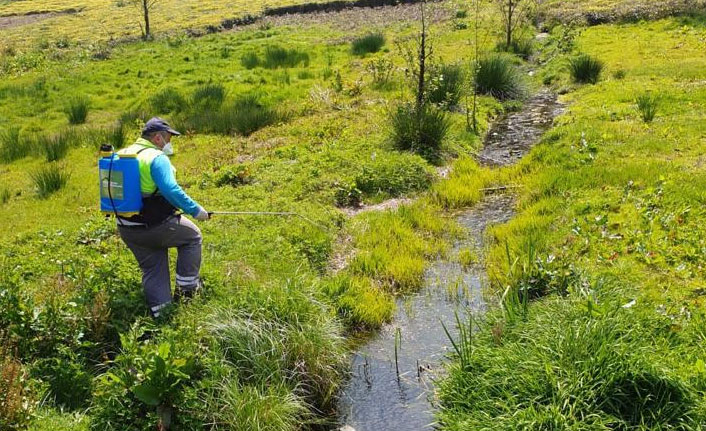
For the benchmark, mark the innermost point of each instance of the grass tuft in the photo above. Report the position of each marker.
(647, 104)
(497, 76)
(49, 179)
(168, 100)
(55, 146)
(13, 146)
(77, 110)
(367, 44)
(209, 96)
(279, 57)
(421, 131)
(585, 69)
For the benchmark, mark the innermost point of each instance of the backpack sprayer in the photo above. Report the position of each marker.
(121, 195)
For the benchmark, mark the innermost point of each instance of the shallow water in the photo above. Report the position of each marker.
(376, 398)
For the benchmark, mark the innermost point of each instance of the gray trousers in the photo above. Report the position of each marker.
(151, 249)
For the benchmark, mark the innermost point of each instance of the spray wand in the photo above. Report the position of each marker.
(270, 213)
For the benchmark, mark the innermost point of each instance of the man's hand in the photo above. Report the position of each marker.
(202, 215)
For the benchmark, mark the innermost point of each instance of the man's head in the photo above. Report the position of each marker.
(159, 132)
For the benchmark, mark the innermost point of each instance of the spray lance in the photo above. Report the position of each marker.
(270, 213)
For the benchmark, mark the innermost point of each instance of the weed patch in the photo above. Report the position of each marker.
(367, 44)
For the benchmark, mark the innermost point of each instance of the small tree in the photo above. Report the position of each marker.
(514, 13)
(145, 6)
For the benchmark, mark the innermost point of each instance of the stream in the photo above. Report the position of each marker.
(377, 398)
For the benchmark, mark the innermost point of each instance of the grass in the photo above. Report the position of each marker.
(49, 179)
(368, 44)
(497, 76)
(647, 105)
(419, 130)
(13, 146)
(585, 69)
(55, 147)
(77, 110)
(280, 57)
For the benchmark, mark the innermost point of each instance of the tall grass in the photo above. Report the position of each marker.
(446, 85)
(49, 179)
(13, 146)
(585, 69)
(208, 96)
(497, 76)
(647, 104)
(280, 57)
(523, 47)
(574, 364)
(250, 60)
(5, 195)
(369, 43)
(55, 147)
(420, 130)
(77, 110)
(168, 100)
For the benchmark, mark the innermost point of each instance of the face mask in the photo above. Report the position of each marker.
(168, 149)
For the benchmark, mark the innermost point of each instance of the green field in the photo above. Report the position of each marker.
(609, 211)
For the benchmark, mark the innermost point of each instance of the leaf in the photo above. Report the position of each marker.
(700, 367)
(146, 393)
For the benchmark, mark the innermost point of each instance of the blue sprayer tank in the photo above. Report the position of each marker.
(124, 196)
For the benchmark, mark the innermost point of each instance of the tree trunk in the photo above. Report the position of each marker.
(422, 63)
(146, 10)
(508, 32)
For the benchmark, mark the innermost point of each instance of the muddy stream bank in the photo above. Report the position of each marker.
(376, 398)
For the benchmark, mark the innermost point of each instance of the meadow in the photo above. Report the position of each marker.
(309, 113)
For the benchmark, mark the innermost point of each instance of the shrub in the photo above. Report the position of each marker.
(77, 110)
(168, 100)
(369, 43)
(209, 96)
(13, 146)
(380, 70)
(497, 76)
(277, 56)
(647, 104)
(446, 85)
(233, 176)
(55, 146)
(49, 179)
(585, 69)
(347, 195)
(421, 131)
(394, 175)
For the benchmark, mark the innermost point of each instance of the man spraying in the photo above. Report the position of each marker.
(158, 227)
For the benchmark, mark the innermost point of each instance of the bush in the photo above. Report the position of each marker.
(77, 110)
(168, 100)
(233, 176)
(250, 60)
(497, 76)
(446, 85)
(49, 179)
(369, 43)
(394, 175)
(13, 146)
(55, 146)
(347, 195)
(585, 69)
(277, 56)
(647, 104)
(209, 96)
(421, 131)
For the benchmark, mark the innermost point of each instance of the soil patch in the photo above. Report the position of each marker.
(10, 21)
